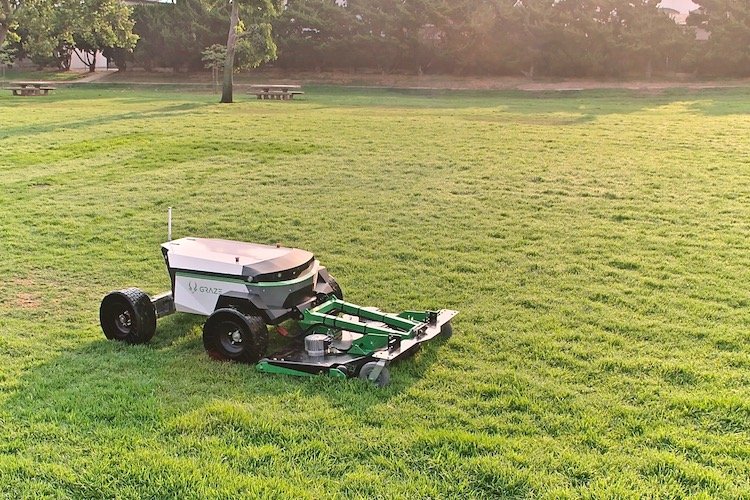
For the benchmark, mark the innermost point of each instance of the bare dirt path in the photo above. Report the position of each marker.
(424, 82)
(95, 77)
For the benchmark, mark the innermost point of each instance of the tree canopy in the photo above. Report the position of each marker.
(595, 38)
(49, 30)
(546, 37)
(727, 51)
(174, 35)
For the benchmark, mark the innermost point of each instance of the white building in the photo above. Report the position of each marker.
(77, 64)
(678, 10)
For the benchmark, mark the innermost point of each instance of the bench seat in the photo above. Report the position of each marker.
(30, 91)
(276, 94)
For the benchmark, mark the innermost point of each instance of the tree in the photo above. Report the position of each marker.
(645, 35)
(537, 31)
(7, 56)
(386, 33)
(214, 58)
(8, 9)
(36, 24)
(313, 34)
(249, 37)
(173, 35)
(9, 49)
(55, 27)
(474, 34)
(107, 25)
(727, 51)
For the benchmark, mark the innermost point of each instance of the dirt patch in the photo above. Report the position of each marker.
(425, 82)
(25, 282)
(27, 301)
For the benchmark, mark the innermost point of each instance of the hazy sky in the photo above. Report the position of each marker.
(683, 6)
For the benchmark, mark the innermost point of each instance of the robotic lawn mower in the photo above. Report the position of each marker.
(244, 287)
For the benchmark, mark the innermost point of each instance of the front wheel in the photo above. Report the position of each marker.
(383, 378)
(128, 316)
(230, 335)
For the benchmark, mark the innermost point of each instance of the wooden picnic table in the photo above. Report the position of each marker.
(282, 92)
(31, 88)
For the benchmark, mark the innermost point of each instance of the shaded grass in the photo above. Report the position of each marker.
(44, 75)
(594, 244)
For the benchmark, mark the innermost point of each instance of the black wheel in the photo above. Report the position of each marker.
(344, 369)
(231, 335)
(337, 292)
(383, 379)
(446, 331)
(128, 316)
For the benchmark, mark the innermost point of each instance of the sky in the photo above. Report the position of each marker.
(683, 6)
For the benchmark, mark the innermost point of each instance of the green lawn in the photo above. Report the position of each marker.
(596, 245)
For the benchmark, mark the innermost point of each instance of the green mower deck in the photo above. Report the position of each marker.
(357, 341)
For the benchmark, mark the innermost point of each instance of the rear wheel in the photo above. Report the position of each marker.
(128, 316)
(233, 336)
(337, 292)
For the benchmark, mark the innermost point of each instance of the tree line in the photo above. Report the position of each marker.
(583, 38)
(589, 38)
(592, 38)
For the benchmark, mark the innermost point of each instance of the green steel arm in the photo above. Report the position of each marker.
(374, 337)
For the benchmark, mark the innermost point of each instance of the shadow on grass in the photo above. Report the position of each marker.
(163, 420)
(586, 104)
(163, 112)
(170, 385)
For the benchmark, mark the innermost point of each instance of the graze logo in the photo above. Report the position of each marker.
(194, 287)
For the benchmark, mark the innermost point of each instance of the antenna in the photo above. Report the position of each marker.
(169, 224)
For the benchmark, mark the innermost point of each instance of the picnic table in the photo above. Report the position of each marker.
(31, 88)
(282, 92)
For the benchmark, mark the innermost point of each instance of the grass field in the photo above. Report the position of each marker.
(596, 245)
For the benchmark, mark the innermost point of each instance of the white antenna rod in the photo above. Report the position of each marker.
(169, 224)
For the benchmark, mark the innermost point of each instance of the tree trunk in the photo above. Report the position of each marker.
(3, 33)
(85, 57)
(64, 61)
(226, 92)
